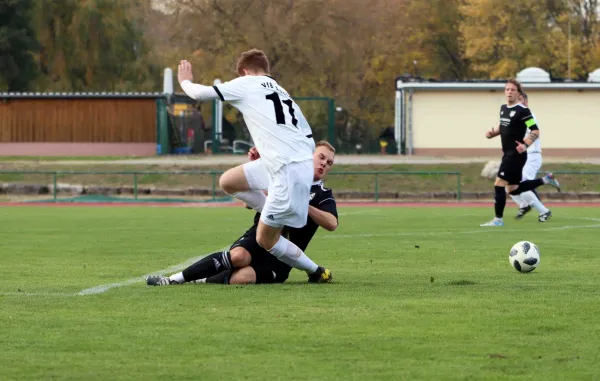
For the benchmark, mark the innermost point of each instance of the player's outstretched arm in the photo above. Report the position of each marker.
(193, 90)
(324, 219)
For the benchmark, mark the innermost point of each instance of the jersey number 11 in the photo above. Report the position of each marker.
(279, 117)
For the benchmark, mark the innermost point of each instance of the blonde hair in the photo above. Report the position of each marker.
(324, 143)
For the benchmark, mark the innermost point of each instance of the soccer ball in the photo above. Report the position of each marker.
(524, 256)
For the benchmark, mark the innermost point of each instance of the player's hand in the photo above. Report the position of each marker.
(184, 71)
(489, 134)
(253, 154)
(521, 147)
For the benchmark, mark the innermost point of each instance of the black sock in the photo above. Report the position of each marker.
(499, 201)
(220, 278)
(527, 185)
(208, 266)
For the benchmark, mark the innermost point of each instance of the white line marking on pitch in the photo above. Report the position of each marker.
(574, 227)
(105, 287)
(482, 230)
(584, 218)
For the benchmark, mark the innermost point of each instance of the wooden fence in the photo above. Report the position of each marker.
(78, 119)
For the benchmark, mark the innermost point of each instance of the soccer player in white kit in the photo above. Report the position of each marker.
(529, 199)
(284, 140)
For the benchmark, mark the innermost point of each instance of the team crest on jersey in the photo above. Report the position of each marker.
(512, 113)
(312, 195)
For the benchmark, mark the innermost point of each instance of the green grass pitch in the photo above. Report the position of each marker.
(418, 294)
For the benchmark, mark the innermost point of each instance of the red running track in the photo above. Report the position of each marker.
(459, 204)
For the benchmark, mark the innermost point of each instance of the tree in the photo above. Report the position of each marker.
(93, 45)
(504, 36)
(316, 45)
(17, 43)
(579, 28)
(436, 36)
(560, 36)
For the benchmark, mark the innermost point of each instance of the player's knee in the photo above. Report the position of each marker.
(240, 257)
(233, 180)
(266, 236)
(265, 241)
(499, 182)
(226, 182)
(513, 190)
(244, 275)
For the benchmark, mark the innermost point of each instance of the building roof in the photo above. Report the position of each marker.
(402, 84)
(104, 94)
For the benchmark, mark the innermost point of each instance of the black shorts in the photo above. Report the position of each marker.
(267, 267)
(511, 168)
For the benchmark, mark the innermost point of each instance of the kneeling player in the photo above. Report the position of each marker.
(246, 262)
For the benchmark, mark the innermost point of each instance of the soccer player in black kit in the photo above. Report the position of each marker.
(245, 262)
(517, 131)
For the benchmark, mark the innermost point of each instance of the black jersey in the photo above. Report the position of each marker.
(514, 122)
(322, 199)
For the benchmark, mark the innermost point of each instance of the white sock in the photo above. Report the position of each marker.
(517, 199)
(177, 278)
(253, 198)
(529, 196)
(291, 255)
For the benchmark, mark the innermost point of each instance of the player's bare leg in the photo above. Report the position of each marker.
(245, 275)
(234, 183)
(269, 238)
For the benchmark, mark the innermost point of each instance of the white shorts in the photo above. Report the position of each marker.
(288, 191)
(532, 166)
(257, 175)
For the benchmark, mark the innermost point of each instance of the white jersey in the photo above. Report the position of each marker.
(537, 145)
(277, 126)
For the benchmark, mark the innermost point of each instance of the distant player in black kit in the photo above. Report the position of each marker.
(245, 262)
(518, 130)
